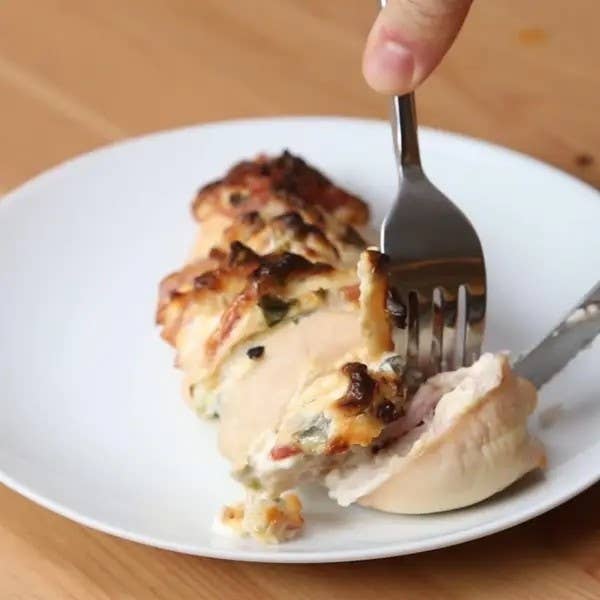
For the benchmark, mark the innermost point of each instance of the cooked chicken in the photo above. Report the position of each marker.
(283, 325)
(461, 438)
(276, 243)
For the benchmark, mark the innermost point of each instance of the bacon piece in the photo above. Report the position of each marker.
(281, 452)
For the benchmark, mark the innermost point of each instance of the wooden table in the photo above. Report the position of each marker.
(76, 74)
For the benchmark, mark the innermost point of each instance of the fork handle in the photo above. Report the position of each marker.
(404, 130)
(403, 118)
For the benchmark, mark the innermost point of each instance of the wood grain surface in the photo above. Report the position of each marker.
(77, 74)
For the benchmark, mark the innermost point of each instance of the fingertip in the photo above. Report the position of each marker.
(408, 40)
(388, 66)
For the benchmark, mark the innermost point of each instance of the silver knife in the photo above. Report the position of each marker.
(576, 331)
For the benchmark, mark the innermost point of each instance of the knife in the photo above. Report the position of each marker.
(576, 331)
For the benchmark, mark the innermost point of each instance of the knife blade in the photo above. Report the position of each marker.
(576, 331)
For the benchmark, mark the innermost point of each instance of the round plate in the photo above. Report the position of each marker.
(93, 425)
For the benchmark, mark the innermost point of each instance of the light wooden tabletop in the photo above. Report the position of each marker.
(77, 74)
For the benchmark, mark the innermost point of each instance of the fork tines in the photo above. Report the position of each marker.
(445, 313)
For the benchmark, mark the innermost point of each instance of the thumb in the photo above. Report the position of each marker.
(408, 40)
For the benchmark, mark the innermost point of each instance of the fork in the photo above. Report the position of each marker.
(437, 268)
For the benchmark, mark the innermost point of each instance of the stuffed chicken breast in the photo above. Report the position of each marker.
(283, 326)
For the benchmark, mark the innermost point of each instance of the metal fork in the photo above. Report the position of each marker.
(437, 268)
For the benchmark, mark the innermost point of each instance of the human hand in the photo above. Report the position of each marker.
(408, 40)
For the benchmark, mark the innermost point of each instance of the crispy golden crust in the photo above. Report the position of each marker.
(268, 288)
(280, 222)
(250, 315)
(288, 231)
(249, 185)
(375, 322)
(281, 240)
(207, 316)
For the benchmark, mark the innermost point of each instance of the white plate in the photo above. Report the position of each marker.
(92, 425)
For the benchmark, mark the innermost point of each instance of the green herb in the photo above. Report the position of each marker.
(254, 484)
(274, 309)
(315, 435)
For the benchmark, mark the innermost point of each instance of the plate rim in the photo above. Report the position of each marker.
(47, 174)
(310, 557)
(290, 556)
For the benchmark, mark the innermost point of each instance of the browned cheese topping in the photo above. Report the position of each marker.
(361, 388)
(286, 175)
(380, 395)
(271, 221)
